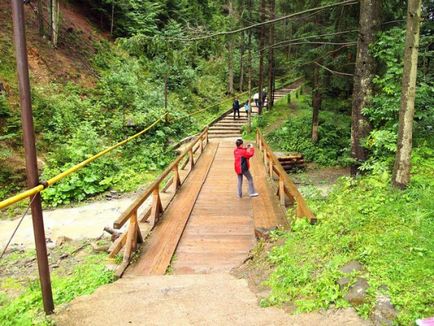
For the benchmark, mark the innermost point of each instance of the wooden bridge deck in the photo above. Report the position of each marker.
(206, 227)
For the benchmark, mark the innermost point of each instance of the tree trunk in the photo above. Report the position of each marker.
(230, 55)
(113, 18)
(261, 55)
(241, 86)
(401, 169)
(54, 13)
(249, 114)
(364, 72)
(40, 18)
(271, 56)
(316, 104)
(166, 90)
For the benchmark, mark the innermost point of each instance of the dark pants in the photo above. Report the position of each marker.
(249, 178)
(235, 112)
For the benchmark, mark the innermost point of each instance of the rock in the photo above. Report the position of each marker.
(50, 244)
(54, 266)
(99, 248)
(63, 256)
(357, 293)
(352, 266)
(343, 282)
(62, 240)
(384, 312)
(263, 233)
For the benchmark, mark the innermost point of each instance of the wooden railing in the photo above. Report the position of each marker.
(286, 187)
(171, 177)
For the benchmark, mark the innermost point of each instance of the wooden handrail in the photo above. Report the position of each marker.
(140, 200)
(286, 186)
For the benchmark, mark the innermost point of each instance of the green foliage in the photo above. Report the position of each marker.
(295, 136)
(27, 308)
(390, 231)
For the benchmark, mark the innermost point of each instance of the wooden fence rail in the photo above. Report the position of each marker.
(129, 239)
(286, 186)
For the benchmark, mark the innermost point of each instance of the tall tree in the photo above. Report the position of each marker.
(249, 59)
(272, 13)
(261, 55)
(364, 72)
(54, 17)
(401, 169)
(242, 24)
(230, 42)
(41, 18)
(316, 103)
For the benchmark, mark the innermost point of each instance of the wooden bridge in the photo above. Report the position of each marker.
(190, 223)
(195, 222)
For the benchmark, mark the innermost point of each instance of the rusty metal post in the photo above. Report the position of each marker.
(30, 152)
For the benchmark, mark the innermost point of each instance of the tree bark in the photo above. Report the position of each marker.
(40, 18)
(261, 55)
(241, 86)
(54, 19)
(242, 24)
(249, 59)
(401, 169)
(271, 56)
(364, 72)
(230, 54)
(113, 18)
(316, 104)
(166, 90)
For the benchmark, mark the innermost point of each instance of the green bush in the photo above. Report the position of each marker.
(332, 147)
(27, 308)
(390, 231)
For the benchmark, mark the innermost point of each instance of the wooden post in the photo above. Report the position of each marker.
(270, 168)
(157, 207)
(191, 157)
(201, 144)
(281, 191)
(176, 178)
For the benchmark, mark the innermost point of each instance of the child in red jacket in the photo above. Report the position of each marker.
(242, 165)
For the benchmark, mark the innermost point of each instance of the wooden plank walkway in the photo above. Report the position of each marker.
(206, 227)
(161, 245)
(220, 231)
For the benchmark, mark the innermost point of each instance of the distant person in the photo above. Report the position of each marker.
(236, 107)
(247, 108)
(264, 97)
(256, 99)
(242, 165)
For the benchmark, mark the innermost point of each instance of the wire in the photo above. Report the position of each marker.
(18, 225)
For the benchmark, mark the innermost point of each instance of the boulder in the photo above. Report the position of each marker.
(352, 266)
(357, 292)
(384, 312)
(62, 240)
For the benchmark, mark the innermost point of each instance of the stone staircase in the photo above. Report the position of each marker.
(228, 127)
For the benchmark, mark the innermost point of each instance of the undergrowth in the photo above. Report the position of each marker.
(26, 309)
(333, 145)
(390, 232)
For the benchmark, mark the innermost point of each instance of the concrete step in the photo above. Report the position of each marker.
(224, 127)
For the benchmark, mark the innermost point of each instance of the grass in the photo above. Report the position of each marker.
(26, 307)
(390, 232)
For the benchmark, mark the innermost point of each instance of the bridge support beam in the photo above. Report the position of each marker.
(30, 152)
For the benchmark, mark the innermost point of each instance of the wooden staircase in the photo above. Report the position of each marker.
(228, 127)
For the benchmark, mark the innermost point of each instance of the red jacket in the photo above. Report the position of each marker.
(242, 155)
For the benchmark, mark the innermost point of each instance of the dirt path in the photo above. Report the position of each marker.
(201, 299)
(77, 223)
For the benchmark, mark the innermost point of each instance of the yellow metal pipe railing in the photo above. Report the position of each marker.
(44, 184)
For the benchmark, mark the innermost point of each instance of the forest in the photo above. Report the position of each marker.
(104, 70)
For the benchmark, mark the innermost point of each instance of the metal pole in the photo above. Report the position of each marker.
(30, 152)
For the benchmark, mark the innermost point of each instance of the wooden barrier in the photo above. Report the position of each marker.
(285, 187)
(132, 236)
